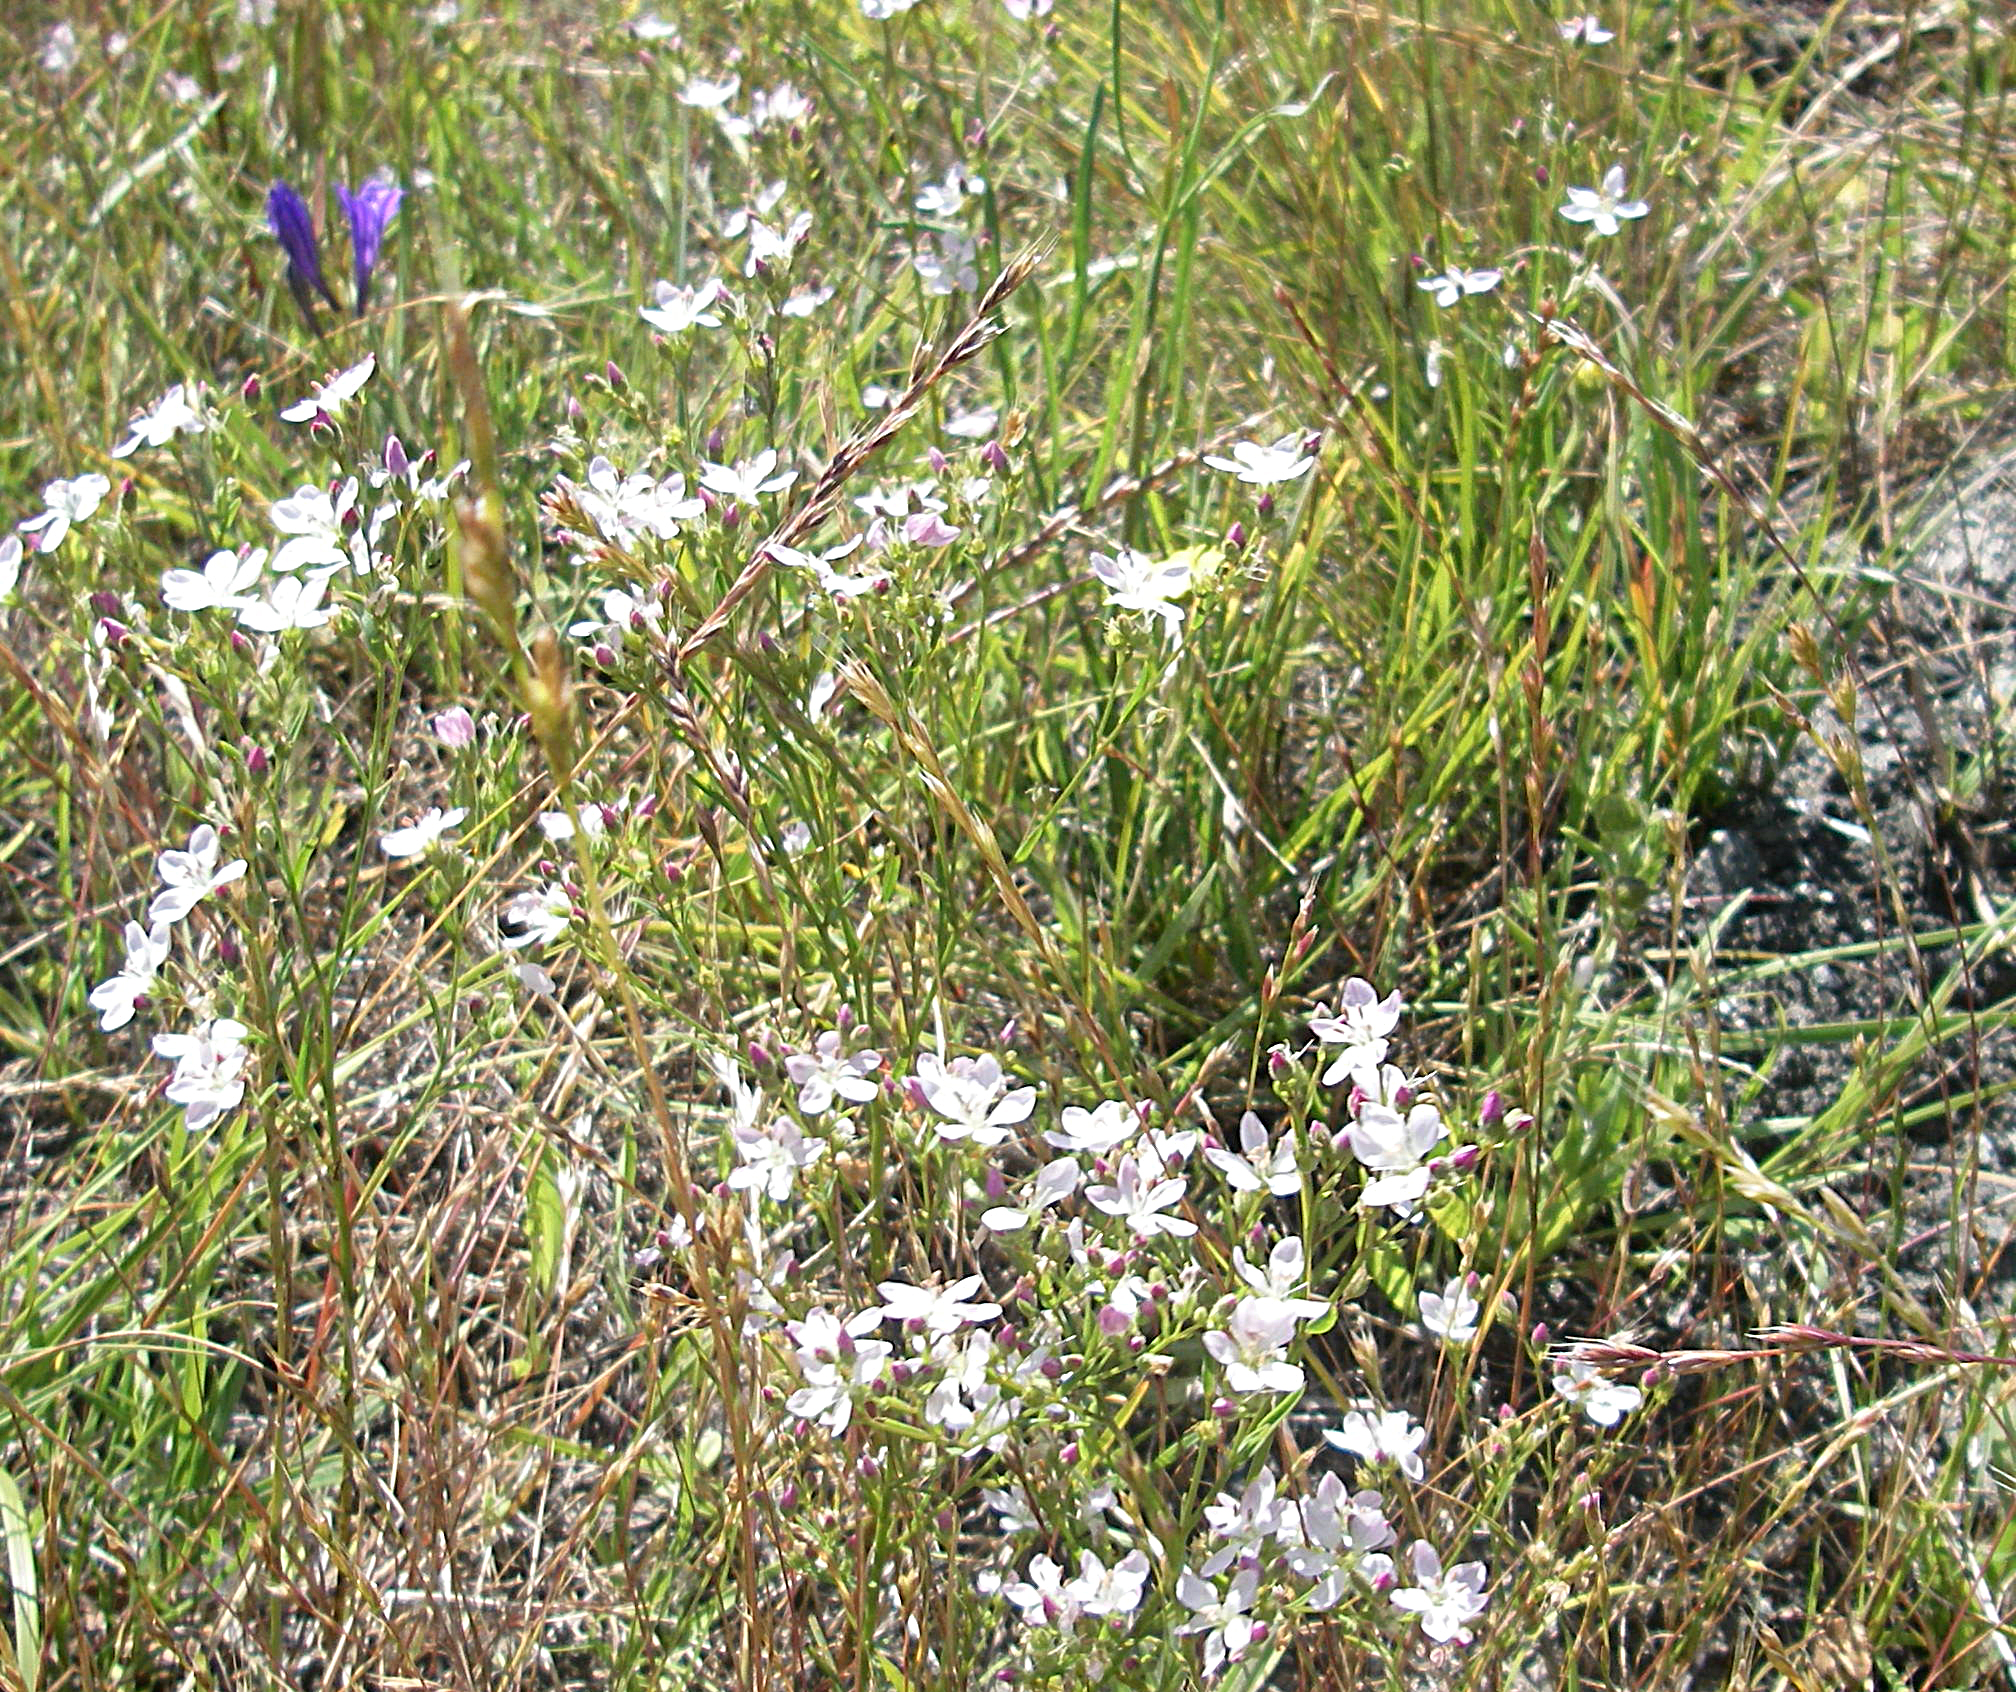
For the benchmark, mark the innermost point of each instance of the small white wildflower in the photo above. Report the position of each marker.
(420, 836)
(1601, 208)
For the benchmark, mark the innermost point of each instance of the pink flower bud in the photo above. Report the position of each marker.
(615, 376)
(994, 457)
(105, 603)
(1113, 1321)
(454, 728)
(1541, 1333)
(257, 760)
(229, 950)
(1492, 1111)
(250, 391)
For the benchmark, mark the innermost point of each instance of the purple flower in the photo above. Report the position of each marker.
(287, 216)
(370, 210)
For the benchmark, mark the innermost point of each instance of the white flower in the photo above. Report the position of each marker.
(325, 529)
(971, 1098)
(221, 585)
(68, 503)
(948, 264)
(10, 565)
(1096, 1131)
(748, 480)
(541, 916)
(826, 1070)
(1586, 29)
(1261, 1169)
(1246, 1521)
(772, 247)
(1342, 1535)
(708, 96)
(418, 837)
(1024, 10)
(332, 393)
(940, 1310)
(1447, 1604)
(209, 1076)
(1136, 582)
(1266, 466)
(805, 302)
(771, 1155)
(191, 876)
(1140, 1199)
(291, 602)
(838, 1362)
(1382, 1436)
(59, 49)
(1227, 1627)
(1056, 1180)
(116, 998)
(1396, 1147)
(674, 311)
(1362, 1022)
(1251, 1344)
(174, 413)
(1452, 1313)
(1043, 1597)
(1100, 1591)
(1286, 1264)
(1455, 282)
(785, 104)
(879, 9)
(1604, 1401)
(1602, 207)
(649, 26)
(622, 611)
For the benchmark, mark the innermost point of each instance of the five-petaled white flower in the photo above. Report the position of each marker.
(1382, 1436)
(1452, 1313)
(1395, 1145)
(539, 916)
(771, 1154)
(1056, 1180)
(1446, 1604)
(332, 393)
(1588, 29)
(66, 504)
(177, 412)
(1455, 282)
(971, 1098)
(1109, 1124)
(1262, 1167)
(1362, 1022)
(1602, 207)
(675, 311)
(116, 998)
(747, 480)
(291, 602)
(1224, 1621)
(1251, 1343)
(936, 1310)
(191, 876)
(826, 1071)
(838, 1362)
(209, 1076)
(1141, 1198)
(1136, 582)
(1286, 1265)
(1604, 1401)
(1266, 466)
(223, 584)
(1101, 1591)
(421, 836)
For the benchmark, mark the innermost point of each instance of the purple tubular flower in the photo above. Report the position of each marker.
(370, 210)
(287, 216)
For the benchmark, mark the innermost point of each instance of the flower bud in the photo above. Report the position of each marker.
(249, 392)
(257, 760)
(454, 728)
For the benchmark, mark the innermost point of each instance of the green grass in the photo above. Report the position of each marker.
(404, 1371)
